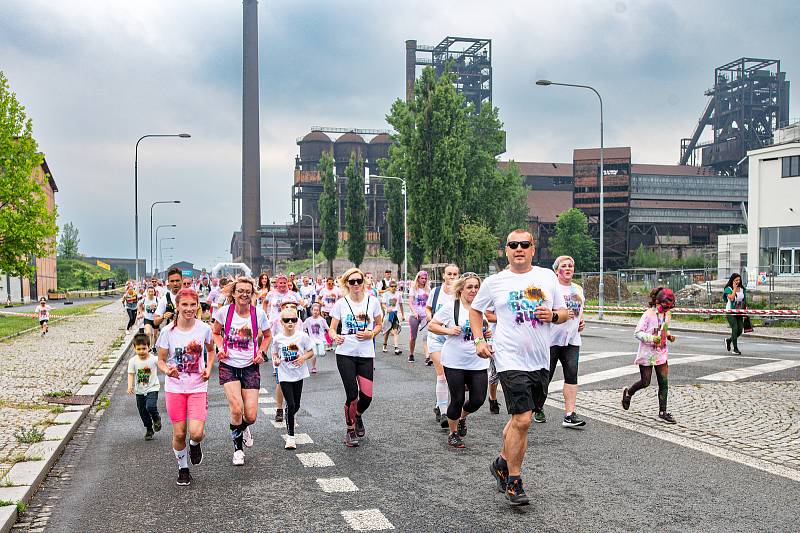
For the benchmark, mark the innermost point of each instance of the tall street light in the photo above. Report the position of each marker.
(152, 266)
(405, 224)
(313, 260)
(601, 287)
(136, 188)
(163, 226)
(161, 249)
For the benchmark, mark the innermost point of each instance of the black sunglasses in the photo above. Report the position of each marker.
(289, 320)
(355, 281)
(519, 244)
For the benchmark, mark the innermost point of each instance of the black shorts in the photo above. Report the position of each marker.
(149, 322)
(43, 322)
(524, 390)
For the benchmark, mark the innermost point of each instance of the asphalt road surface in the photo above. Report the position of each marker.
(600, 478)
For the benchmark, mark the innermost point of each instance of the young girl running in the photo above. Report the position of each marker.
(392, 304)
(149, 305)
(316, 327)
(417, 298)
(290, 350)
(462, 366)
(360, 317)
(653, 334)
(43, 313)
(180, 358)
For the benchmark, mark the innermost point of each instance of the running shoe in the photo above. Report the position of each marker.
(184, 477)
(539, 418)
(455, 441)
(515, 494)
(626, 399)
(385, 349)
(443, 422)
(438, 413)
(573, 421)
(351, 439)
(397, 351)
(247, 437)
(148, 435)
(411, 358)
(462, 427)
(428, 361)
(360, 429)
(195, 454)
(238, 458)
(157, 424)
(278, 415)
(494, 407)
(291, 443)
(500, 474)
(666, 417)
(314, 370)
(736, 351)
(728, 344)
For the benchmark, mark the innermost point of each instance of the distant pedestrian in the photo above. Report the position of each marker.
(43, 313)
(653, 334)
(735, 297)
(317, 328)
(290, 350)
(418, 321)
(393, 315)
(143, 381)
(149, 304)
(440, 296)
(130, 301)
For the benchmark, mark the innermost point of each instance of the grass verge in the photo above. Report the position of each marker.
(10, 325)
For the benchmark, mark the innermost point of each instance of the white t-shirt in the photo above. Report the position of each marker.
(150, 307)
(288, 349)
(241, 340)
(275, 299)
(459, 350)
(441, 300)
(521, 341)
(355, 317)
(145, 372)
(186, 353)
(162, 305)
(391, 300)
(565, 333)
(307, 293)
(44, 312)
(316, 328)
(327, 298)
(203, 291)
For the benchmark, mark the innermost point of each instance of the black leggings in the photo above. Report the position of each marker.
(292, 390)
(357, 374)
(662, 376)
(737, 327)
(568, 355)
(476, 380)
(131, 317)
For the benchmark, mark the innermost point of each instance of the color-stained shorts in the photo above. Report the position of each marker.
(524, 390)
(249, 376)
(183, 405)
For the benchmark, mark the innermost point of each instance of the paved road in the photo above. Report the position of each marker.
(59, 304)
(602, 478)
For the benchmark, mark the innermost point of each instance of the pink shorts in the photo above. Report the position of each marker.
(192, 405)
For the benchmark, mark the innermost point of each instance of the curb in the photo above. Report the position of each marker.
(26, 476)
(698, 330)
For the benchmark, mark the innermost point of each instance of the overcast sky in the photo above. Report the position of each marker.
(96, 75)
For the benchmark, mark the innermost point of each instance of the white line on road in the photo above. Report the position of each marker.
(337, 484)
(262, 390)
(268, 399)
(601, 355)
(315, 460)
(751, 371)
(558, 386)
(367, 520)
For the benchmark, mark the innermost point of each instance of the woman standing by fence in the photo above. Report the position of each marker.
(735, 298)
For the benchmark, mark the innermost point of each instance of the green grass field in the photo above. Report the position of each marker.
(9, 325)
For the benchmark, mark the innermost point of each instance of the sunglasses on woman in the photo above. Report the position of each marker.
(289, 320)
(519, 244)
(355, 281)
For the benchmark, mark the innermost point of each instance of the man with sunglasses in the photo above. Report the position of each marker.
(523, 297)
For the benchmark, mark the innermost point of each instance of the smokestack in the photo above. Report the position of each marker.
(251, 159)
(411, 68)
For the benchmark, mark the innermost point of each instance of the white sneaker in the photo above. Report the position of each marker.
(238, 458)
(291, 443)
(247, 437)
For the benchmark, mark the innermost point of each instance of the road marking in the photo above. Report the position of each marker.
(300, 438)
(262, 390)
(601, 355)
(337, 484)
(558, 386)
(261, 399)
(366, 520)
(751, 371)
(315, 460)
(278, 424)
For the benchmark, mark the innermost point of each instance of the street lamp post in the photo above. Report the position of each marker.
(161, 249)
(163, 226)
(313, 260)
(601, 287)
(152, 253)
(136, 189)
(405, 225)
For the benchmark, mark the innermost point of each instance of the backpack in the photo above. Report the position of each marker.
(253, 325)
(436, 299)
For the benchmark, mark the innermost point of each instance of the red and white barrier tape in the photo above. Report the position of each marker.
(692, 311)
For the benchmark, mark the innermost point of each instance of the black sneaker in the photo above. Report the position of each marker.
(443, 421)
(157, 424)
(455, 441)
(539, 417)
(666, 417)
(494, 407)
(360, 430)
(411, 358)
(500, 474)
(573, 421)
(278, 415)
(351, 439)
(148, 434)
(728, 344)
(428, 361)
(626, 399)
(462, 427)
(438, 413)
(736, 351)
(184, 477)
(397, 351)
(515, 494)
(195, 454)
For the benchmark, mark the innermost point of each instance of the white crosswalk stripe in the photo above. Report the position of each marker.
(366, 520)
(751, 371)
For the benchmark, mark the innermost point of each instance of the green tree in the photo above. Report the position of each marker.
(355, 211)
(393, 191)
(27, 227)
(480, 246)
(572, 238)
(328, 210)
(68, 244)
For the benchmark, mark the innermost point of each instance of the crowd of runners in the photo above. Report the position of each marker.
(511, 328)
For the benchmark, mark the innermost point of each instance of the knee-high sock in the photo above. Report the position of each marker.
(442, 394)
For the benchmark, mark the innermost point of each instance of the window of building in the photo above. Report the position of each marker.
(790, 166)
